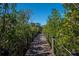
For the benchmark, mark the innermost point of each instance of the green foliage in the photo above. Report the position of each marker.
(16, 33)
(65, 32)
(52, 26)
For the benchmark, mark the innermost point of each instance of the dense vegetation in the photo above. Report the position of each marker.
(64, 30)
(16, 33)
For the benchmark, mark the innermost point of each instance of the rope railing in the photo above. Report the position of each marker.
(53, 40)
(67, 50)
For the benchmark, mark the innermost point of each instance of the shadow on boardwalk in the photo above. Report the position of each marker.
(39, 47)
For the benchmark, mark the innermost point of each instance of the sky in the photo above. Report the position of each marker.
(40, 11)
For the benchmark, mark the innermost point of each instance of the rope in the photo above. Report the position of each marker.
(67, 50)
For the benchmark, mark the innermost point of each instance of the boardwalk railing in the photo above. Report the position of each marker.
(53, 41)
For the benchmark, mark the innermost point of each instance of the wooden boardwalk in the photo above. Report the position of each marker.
(39, 47)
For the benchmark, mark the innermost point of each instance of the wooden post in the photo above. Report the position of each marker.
(52, 46)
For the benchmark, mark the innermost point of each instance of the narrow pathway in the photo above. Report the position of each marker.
(39, 47)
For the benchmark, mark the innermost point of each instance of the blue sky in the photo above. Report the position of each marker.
(41, 11)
